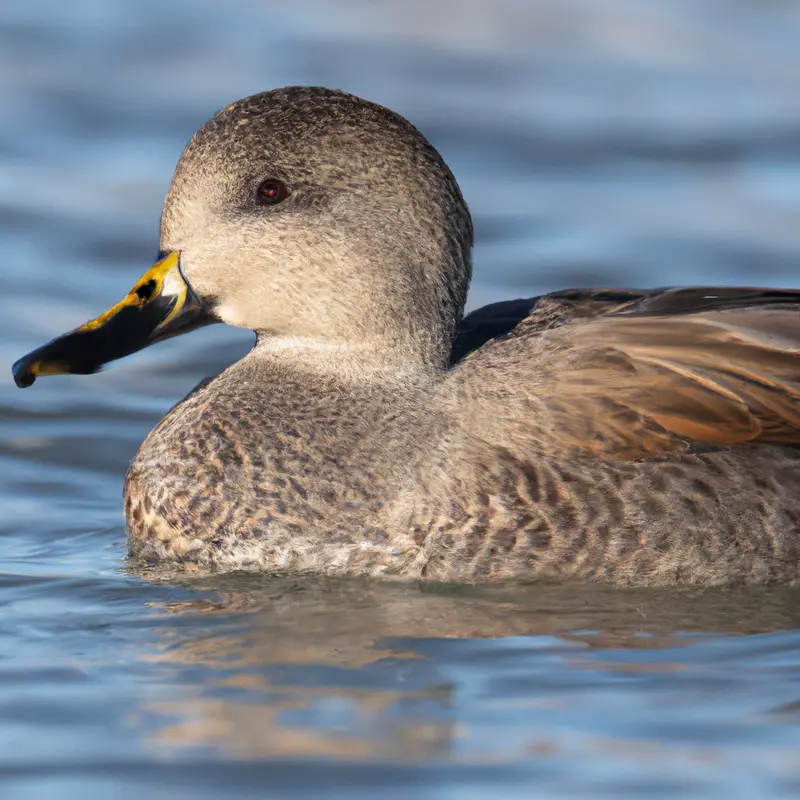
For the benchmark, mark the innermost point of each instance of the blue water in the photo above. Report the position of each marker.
(597, 142)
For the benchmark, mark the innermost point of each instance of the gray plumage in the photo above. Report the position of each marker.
(637, 437)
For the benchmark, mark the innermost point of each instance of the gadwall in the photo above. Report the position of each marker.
(638, 437)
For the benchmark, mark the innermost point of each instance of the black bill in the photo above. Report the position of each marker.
(160, 305)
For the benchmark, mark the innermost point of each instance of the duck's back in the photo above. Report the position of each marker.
(643, 438)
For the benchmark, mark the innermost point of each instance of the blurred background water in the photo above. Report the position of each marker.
(602, 142)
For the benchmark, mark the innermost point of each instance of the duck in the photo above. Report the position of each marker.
(636, 437)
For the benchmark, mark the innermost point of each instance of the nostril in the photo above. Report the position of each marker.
(145, 291)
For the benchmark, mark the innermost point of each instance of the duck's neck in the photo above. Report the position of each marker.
(372, 361)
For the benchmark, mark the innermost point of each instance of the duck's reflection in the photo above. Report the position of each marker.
(304, 668)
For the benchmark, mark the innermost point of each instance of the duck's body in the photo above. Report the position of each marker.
(639, 437)
(289, 460)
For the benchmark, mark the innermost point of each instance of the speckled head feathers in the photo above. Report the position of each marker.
(372, 244)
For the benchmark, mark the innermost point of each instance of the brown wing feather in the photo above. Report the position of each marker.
(713, 378)
(697, 369)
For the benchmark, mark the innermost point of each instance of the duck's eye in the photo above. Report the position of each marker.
(271, 192)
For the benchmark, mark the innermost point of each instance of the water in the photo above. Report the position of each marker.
(598, 142)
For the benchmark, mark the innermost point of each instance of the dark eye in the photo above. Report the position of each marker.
(271, 192)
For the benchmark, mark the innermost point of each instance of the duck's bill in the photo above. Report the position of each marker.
(160, 305)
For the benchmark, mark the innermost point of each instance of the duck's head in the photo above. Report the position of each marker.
(306, 215)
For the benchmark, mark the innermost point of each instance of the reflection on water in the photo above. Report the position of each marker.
(604, 142)
(347, 670)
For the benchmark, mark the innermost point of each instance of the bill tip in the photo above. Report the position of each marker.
(24, 374)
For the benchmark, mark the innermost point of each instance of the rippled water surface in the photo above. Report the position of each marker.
(597, 142)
